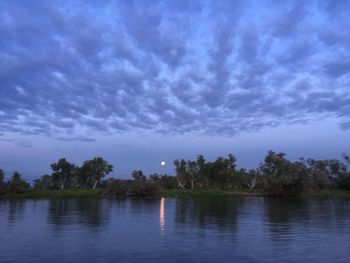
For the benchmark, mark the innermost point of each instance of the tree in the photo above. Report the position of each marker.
(17, 185)
(282, 177)
(45, 182)
(2, 182)
(223, 173)
(164, 181)
(192, 171)
(203, 172)
(63, 172)
(343, 178)
(143, 188)
(137, 175)
(96, 169)
(252, 178)
(181, 173)
(2, 178)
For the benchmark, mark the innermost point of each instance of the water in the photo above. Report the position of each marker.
(175, 230)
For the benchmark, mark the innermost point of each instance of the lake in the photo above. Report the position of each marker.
(245, 229)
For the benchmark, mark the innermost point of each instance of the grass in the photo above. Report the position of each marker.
(213, 193)
(99, 193)
(66, 193)
(326, 193)
(256, 192)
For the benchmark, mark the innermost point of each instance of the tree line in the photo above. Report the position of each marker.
(65, 175)
(276, 176)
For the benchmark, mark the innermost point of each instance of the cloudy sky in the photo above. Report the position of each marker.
(138, 82)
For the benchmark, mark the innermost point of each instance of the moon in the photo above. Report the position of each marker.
(162, 163)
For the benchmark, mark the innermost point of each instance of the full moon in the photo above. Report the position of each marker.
(162, 163)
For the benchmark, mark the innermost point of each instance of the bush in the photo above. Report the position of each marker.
(343, 181)
(17, 185)
(164, 181)
(117, 188)
(143, 189)
(136, 188)
(281, 176)
(284, 185)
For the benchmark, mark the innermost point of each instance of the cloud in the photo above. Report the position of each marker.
(74, 70)
(338, 68)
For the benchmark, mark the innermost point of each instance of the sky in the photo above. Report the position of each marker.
(140, 82)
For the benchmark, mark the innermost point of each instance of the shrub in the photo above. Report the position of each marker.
(281, 176)
(343, 181)
(284, 185)
(143, 189)
(117, 188)
(17, 185)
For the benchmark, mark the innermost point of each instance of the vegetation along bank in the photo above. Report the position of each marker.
(276, 176)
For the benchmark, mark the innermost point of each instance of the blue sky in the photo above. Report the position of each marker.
(138, 82)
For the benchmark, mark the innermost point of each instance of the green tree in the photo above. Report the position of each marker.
(223, 173)
(251, 178)
(63, 172)
(182, 175)
(164, 181)
(138, 175)
(2, 178)
(2, 182)
(319, 173)
(45, 182)
(343, 178)
(17, 185)
(201, 174)
(282, 177)
(96, 169)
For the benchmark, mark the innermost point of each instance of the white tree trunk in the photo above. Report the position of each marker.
(252, 183)
(95, 184)
(179, 183)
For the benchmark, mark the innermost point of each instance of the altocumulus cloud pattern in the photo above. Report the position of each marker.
(71, 68)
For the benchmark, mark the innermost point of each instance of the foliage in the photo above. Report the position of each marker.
(2, 177)
(164, 181)
(63, 172)
(343, 179)
(94, 170)
(138, 175)
(143, 189)
(17, 185)
(45, 182)
(2, 182)
(132, 188)
(281, 176)
(276, 176)
(117, 188)
(252, 178)
(201, 174)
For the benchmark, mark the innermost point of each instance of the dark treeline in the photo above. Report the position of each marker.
(276, 176)
(65, 175)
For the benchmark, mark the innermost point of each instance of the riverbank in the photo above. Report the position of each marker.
(177, 193)
(327, 194)
(246, 192)
(66, 193)
(211, 193)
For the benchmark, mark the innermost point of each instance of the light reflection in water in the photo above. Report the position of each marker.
(161, 216)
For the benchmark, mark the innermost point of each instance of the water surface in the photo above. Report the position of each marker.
(250, 229)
